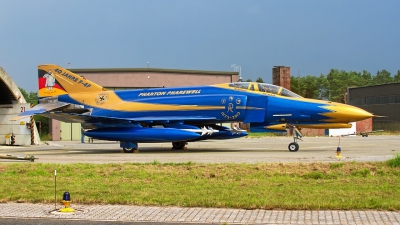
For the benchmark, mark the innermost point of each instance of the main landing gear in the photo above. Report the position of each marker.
(294, 147)
(129, 150)
(179, 145)
(128, 146)
(131, 146)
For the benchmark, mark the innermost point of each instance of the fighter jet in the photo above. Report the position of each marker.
(182, 114)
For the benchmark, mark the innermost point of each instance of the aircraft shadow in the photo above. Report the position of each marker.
(161, 150)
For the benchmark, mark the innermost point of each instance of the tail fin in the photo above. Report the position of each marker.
(55, 80)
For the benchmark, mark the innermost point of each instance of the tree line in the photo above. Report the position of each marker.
(333, 86)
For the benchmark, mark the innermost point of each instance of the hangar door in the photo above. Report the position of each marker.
(19, 128)
(70, 131)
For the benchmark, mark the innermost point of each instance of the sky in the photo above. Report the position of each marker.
(309, 36)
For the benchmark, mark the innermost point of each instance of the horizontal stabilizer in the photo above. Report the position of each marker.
(40, 108)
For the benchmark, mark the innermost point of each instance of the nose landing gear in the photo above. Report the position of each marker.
(294, 147)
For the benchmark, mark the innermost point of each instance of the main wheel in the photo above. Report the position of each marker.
(128, 150)
(179, 145)
(293, 147)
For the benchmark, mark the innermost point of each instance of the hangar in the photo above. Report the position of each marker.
(382, 100)
(138, 78)
(12, 103)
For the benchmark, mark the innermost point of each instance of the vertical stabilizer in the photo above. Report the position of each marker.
(55, 80)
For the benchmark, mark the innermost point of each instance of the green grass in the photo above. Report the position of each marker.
(395, 162)
(344, 185)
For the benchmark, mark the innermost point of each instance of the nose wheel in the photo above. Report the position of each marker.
(294, 147)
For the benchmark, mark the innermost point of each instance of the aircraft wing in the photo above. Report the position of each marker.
(85, 118)
(39, 109)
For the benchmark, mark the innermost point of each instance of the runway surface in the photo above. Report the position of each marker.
(243, 150)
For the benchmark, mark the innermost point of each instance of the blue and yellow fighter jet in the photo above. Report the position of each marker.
(182, 114)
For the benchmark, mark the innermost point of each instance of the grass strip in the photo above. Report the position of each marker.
(348, 185)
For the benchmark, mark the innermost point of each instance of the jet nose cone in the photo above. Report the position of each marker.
(353, 114)
(346, 113)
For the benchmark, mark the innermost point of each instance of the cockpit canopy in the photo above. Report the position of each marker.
(263, 87)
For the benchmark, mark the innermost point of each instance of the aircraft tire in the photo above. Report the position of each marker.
(293, 147)
(128, 150)
(179, 145)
